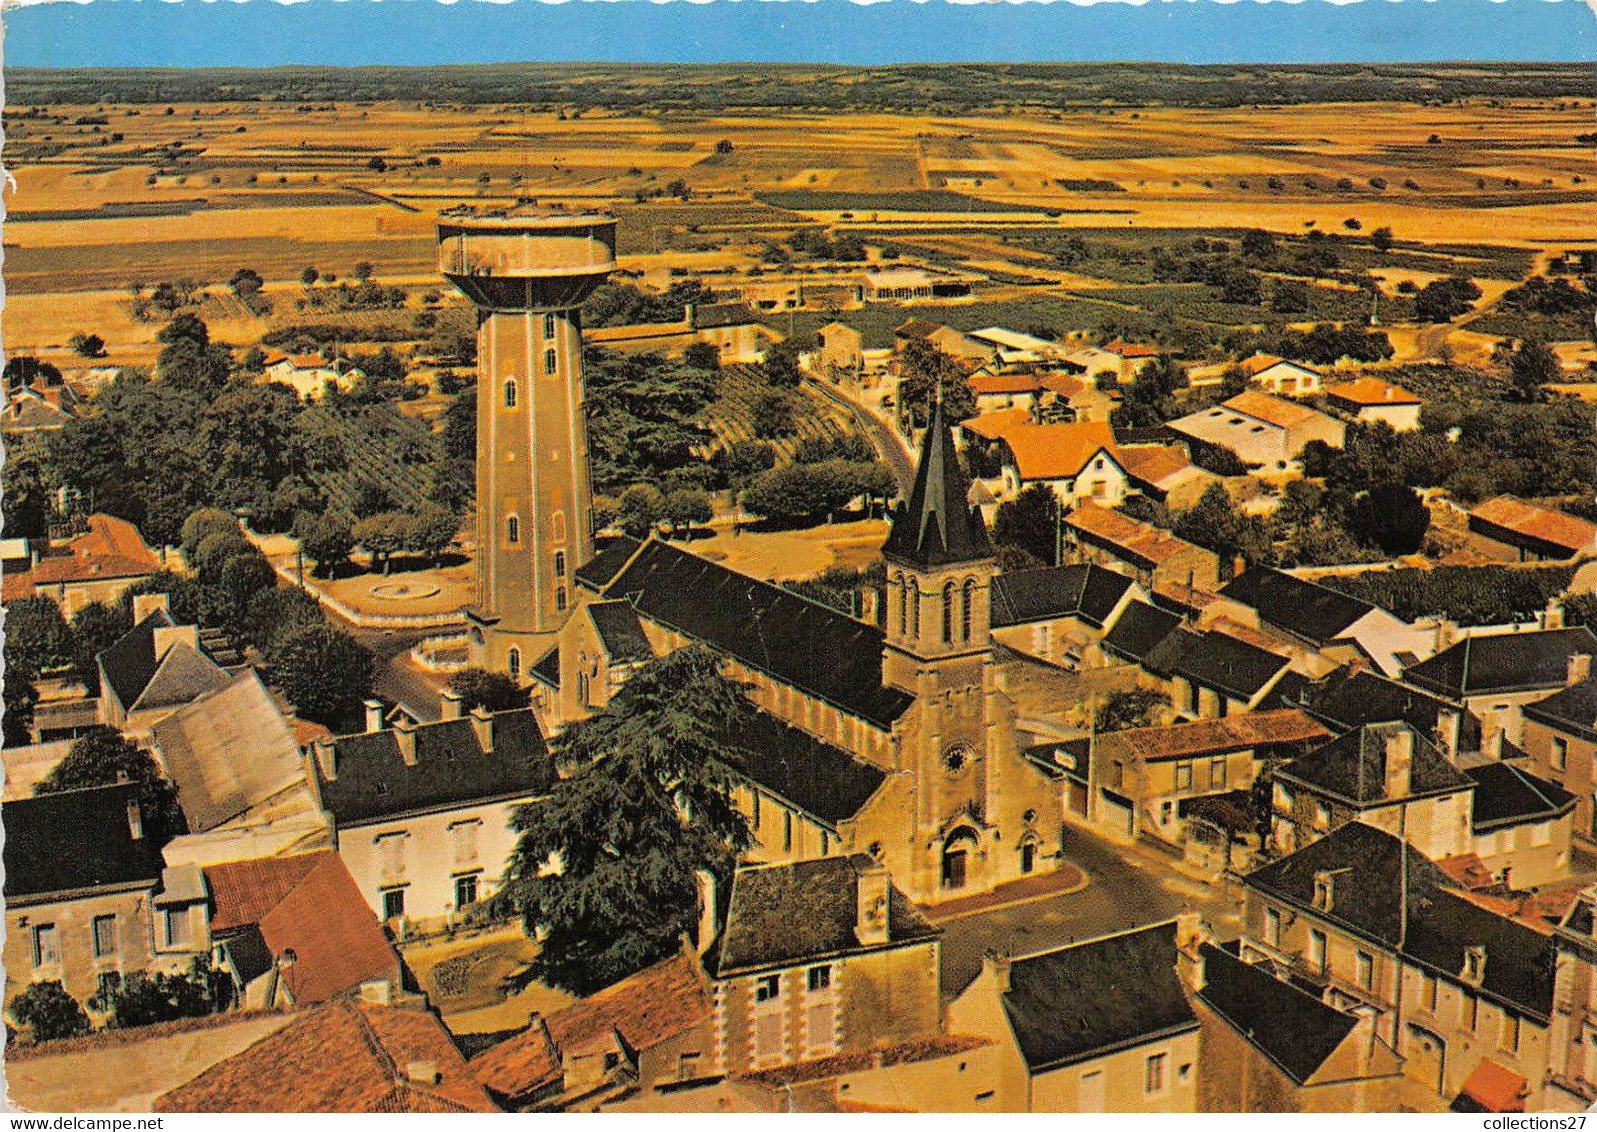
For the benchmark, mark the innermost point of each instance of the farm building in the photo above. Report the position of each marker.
(309, 375)
(1512, 529)
(1075, 461)
(1264, 432)
(1370, 399)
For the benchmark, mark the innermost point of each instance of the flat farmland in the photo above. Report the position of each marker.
(107, 195)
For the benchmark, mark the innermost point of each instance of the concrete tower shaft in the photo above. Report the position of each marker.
(527, 271)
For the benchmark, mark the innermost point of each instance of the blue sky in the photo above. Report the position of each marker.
(363, 32)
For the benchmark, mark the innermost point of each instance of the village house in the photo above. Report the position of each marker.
(1265, 433)
(1152, 555)
(841, 349)
(964, 349)
(98, 565)
(1135, 357)
(1277, 376)
(33, 410)
(1164, 473)
(153, 669)
(1369, 400)
(1452, 985)
(1100, 365)
(1495, 676)
(1559, 733)
(1521, 825)
(422, 813)
(1571, 1083)
(1210, 674)
(1267, 1045)
(1103, 1025)
(1385, 775)
(347, 1055)
(997, 391)
(293, 931)
(88, 896)
(1015, 348)
(1075, 461)
(1060, 613)
(311, 375)
(1144, 780)
(1509, 529)
(1351, 696)
(1070, 398)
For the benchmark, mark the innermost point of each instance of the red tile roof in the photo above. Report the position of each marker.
(1468, 870)
(1270, 410)
(1497, 1089)
(1372, 391)
(983, 384)
(307, 904)
(991, 426)
(1258, 363)
(657, 1003)
(340, 1057)
(1131, 349)
(1153, 463)
(1233, 733)
(110, 548)
(1057, 451)
(1063, 384)
(1147, 542)
(1537, 522)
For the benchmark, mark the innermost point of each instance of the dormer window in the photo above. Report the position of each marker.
(1474, 964)
(1324, 891)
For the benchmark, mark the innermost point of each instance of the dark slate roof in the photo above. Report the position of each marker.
(709, 316)
(1138, 629)
(547, 670)
(797, 641)
(1507, 795)
(612, 553)
(1086, 590)
(451, 768)
(130, 662)
(1215, 660)
(1353, 768)
(620, 632)
(1302, 608)
(1092, 998)
(1351, 697)
(787, 914)
(1368, 901)
(938, 526)
(183, 676)
(823, 781)
(1503, 662)
(1295, 1030)
(75, 840)
(1573, 709)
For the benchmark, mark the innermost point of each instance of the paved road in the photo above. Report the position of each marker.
(1127, 886)
(396, 681)
(886, 442)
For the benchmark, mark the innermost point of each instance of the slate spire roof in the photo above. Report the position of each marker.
(938, 526)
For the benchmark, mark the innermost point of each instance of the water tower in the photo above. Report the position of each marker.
(527, 269)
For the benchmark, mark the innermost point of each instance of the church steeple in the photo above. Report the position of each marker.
(937, 527)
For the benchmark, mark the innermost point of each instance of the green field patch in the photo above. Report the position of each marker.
(919, 200)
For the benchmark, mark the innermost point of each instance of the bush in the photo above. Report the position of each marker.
(142, 999)
(49, 1012)
(477, 687)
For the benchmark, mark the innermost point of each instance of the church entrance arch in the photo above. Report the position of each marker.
(957, 850)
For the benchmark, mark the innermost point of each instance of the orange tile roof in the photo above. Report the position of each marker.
(339, 1057)
(1063, 384)
(1057, 451)
(307, 904)
(1270, 410)
(1149, 543)
(1467, 869)
(1556, 527)
(1232, 733)
(1258, 363)
(991, 426)
(1152, 463)
(1131, 349)
(110, 548)
(308, 361)
(1497, 1089)
(989, 383)
(657, 1003)
(1372, 391)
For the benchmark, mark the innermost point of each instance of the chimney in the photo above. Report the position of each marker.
(871, 916)
(450, 703)
(326, 758)
(1448, 727)
(165, 636)
(405, 736)
(707, 911)
(135, 820)
(1399, 761)
(482, 721)
(421, 1072)
(146, 604)
(1579, 669)
(1191, 935)
(374, 716)
(996, 967)
(1553, 615)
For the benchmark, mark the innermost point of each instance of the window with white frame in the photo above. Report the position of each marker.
(1272, 927)
(46, 946)
(103, 934)
(1154, 1070)
(175, 927)
(820, 1012)
(463, 841)
(391, 854)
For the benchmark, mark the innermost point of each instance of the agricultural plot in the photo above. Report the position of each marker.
(370, 445)
(728, 419)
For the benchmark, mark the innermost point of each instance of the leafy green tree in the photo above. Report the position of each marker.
(743, 460)
(324, 672)
(21, 698)
(1289, 296)
(139, 998)
(26, 503)
(1213, 522)
(1391, 516)
(49, 1012)
(201, 524)
(248, 439)
(1030, 521)
(95, 628)
(273, 614)
(644, 802)
(703, 355)
(1123, 710)
(246, 283)
(1258, 244)
(1381, 238)
(1579, 609)
(101, 757)
(772, 415)
(431, 530)
(382, 536)
(87, 345)
(686, 507)
(189, 359)
(924, 371)
(644, 416)
(327, 541)
(37, 637)
(309, 276)
(639, 510)
(1532, 368)
(477, 687)
(1445, 299)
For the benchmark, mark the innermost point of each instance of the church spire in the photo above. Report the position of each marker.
(938, 526)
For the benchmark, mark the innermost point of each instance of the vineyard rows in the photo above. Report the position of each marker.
(380, 446)
(728, 417)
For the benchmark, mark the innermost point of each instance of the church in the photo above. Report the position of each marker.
(896, 743)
